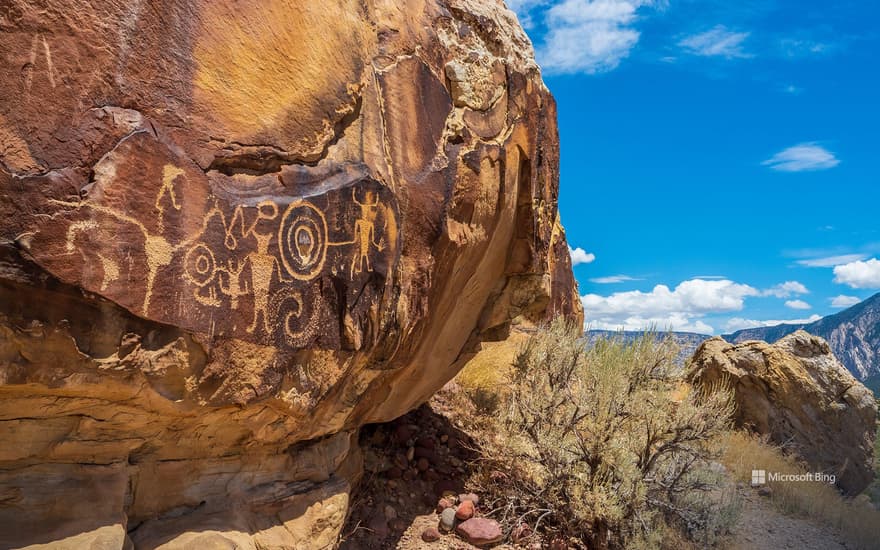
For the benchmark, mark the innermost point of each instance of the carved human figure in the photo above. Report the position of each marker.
(263, 264)
(365, 232)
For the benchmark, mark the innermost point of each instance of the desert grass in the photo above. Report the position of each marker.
(820, 502)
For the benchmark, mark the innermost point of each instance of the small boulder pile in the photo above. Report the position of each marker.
(459, 514)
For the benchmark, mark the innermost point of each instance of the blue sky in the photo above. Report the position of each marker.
(720, 159)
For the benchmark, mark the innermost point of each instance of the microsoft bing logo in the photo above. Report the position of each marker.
(759, 477)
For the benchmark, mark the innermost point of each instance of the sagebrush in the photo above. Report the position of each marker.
(605, 444)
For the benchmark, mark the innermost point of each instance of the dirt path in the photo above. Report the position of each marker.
(763, 527)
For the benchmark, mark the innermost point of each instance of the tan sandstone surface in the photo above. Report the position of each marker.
(232, 233)
(798, 394)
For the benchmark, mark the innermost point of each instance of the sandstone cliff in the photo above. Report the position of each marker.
(233, 233)
(797, 393)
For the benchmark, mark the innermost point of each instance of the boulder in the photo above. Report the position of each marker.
(233, 233)
(796, 392)
(480, 531)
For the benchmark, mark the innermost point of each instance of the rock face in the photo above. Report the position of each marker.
(233, 233)
(798, 393)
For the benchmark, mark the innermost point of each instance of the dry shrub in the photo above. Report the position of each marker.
(601, 445)
(855, 522)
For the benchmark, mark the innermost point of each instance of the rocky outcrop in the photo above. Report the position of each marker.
(853, 334)
(797, 393)
(231, 234)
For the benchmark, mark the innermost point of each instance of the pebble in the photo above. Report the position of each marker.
(465, 510)
(410, 454)
(480, 531)
(471, 497)
(430, 534)
(423, 464)
(443, 504)
(447, 519)
(426, 442)
(403, 433)
(394, 473)
(444, 438)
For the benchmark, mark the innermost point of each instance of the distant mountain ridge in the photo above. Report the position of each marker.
(687, 341)
(854, 336)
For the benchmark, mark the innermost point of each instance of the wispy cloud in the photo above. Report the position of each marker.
(793, 47)
(580, 256)
(802, 158)
(831, 261)
(716, 42)
(859, 274)
(590, 36)
(844, 301)
(613, 279)
(797, 304)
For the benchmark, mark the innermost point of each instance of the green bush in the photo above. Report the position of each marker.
(606, 444)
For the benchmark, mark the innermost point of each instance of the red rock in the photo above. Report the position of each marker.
(443, 504)
(430, 455)
(480, 531)
(426, 442)
(403, 433)
(423, 464)
(465, 510)
(430, 534)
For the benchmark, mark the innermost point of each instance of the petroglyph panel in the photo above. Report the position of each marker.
(273, 269)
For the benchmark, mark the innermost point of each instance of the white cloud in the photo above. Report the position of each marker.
(802, 158)
(832, 261)
(613, 279)
(718, 41)
(738, 323)
(590, 36)
(679, 309)
(580, 256)
(859, 274)
(797, 304)
(786, 289)
(844, 301)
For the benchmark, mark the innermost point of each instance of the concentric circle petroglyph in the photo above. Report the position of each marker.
(302, 240)
(200, 265)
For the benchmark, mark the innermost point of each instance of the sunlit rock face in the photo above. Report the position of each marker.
(232, 233)
(801, 397)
